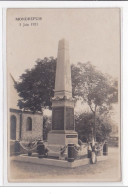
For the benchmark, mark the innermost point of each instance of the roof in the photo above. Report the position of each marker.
(13, 95)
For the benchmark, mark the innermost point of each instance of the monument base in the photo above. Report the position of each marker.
(54, 162)
(58, 139)
(62, 138)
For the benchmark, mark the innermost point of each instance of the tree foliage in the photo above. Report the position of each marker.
(99, 91)
(37, 85)
(84, 124)
(93, 87)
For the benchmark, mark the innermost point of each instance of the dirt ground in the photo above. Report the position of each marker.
(107, 170)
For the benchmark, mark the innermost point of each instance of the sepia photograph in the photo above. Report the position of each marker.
(63, 95)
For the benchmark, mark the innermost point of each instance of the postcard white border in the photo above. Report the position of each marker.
(1, 107)
(124, 85)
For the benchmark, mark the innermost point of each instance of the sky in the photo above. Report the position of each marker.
(93, 35)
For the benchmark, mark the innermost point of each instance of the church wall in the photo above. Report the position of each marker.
(37, 126)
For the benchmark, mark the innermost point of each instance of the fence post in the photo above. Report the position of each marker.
(17, 148)
(40, 149)
(71, 153)
(105, 149)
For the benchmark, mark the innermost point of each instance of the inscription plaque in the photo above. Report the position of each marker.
(69, 118)
(71, 136)
(58, 118)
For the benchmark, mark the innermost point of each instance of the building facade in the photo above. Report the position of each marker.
(24, 125)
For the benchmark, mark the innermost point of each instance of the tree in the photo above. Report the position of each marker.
(85, 122)
(96, 89)
(36, 87)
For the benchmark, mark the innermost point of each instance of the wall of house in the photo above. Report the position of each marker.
(37, 126)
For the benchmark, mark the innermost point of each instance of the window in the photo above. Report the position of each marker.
(13, 127)
(29, 124)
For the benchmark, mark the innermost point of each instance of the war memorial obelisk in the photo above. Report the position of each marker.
(63, 131)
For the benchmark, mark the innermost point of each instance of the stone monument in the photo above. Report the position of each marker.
(63, 131)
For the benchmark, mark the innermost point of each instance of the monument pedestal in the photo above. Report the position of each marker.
(62, 137)
(57, 140)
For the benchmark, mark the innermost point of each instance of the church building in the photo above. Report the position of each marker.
(24, 125)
